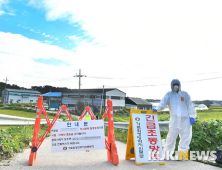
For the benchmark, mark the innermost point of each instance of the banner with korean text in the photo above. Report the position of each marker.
(144, 140)
(77, 136)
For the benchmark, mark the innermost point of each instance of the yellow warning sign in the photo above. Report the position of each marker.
(144, 139)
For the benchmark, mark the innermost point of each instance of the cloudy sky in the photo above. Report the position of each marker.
(137, 46)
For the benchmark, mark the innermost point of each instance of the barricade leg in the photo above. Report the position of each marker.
(33, 153)
(112, 154)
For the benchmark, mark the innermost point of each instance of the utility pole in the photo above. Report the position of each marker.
(5, 88)
(49, 99)
(92, 98)
(101, 101)
(79, 80)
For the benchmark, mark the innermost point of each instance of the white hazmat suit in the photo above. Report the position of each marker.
(181, 110)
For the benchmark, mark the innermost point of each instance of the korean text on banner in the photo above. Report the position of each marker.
(77, 136)
(148, 148)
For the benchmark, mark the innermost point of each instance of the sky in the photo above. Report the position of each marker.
(137, 46)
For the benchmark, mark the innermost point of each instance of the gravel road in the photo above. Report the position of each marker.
(93, 160)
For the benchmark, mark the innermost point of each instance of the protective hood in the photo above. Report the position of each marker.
(175, 81)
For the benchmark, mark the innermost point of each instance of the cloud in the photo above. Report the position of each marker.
(2, 12)
(134, 39)
(5, 9)
(166, 31)
(73, 37)
(51, 61)
(19, 52)
(47, 42)
(3, 3)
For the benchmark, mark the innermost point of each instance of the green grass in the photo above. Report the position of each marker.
(22, 114)
(203, 115)
(33, 114)
(121, 118)
(22, 104)
(124, 118)
(14, 138)
(207, 116)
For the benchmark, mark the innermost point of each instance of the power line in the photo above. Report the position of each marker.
(150, 85)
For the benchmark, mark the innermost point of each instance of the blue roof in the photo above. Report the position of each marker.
(53, 94)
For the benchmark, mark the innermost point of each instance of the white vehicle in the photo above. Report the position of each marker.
(53, 108)
(46, 107)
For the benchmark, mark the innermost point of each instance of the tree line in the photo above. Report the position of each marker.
(41, 89)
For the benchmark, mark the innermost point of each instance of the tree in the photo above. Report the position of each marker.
(80, 107)
(95, 109)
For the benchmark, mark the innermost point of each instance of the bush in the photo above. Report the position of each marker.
(206, 136)
(80, 107)
(14, 139)
(95, 109)
(19, 108)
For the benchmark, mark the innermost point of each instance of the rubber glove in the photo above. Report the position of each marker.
(154, 110)
(192, 121)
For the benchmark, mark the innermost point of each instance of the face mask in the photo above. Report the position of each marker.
(175, 88)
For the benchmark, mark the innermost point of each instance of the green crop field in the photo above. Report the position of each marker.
(32, 114)
(22, 114)
(202, 115)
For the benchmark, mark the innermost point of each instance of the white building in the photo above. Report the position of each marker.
(94, 97)
(19, 96)
(200, 107)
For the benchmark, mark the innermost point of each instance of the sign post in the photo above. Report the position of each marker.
(144, 139)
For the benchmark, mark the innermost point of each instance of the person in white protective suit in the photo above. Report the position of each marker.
(182, 117)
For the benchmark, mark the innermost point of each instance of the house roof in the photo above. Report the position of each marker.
(23, 91)
(94, 90)
(53, 94)
(139, 101)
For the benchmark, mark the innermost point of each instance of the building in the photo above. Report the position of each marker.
(137, 103)
(54, 99)
(215, 105)
(94, 97)
(19, 96)
(200, 107)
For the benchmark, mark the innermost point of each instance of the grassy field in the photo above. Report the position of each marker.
(14, 139)
(22, 114)
(32, 115)
(205, 115)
